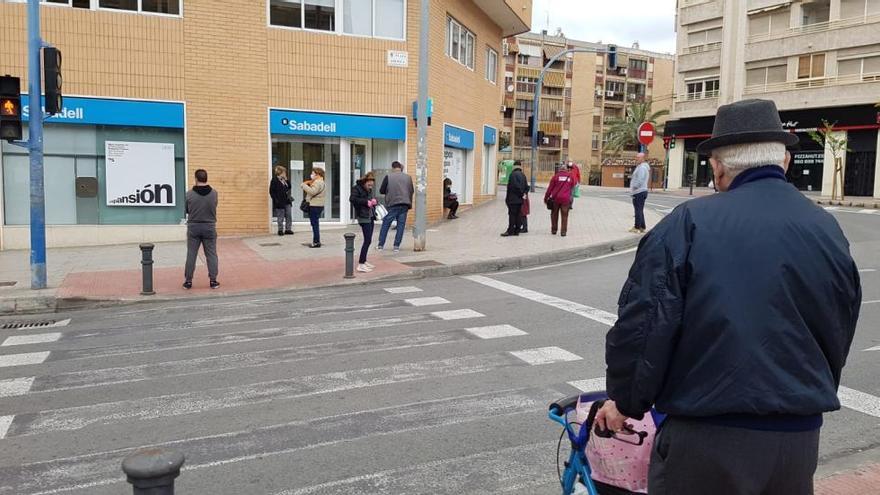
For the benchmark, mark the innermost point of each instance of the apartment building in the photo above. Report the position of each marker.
(819, 60)
(157, 89)
(580, 96)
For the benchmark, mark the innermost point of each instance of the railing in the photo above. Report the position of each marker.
(701, 48)
(816, 28)
(691, 3)
(818, 82)
(706, 95)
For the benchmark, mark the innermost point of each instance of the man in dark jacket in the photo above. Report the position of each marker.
(517, 188)
(201, 230)
(398, 190)
(736, 320)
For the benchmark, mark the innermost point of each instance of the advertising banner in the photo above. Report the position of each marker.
(140, 174)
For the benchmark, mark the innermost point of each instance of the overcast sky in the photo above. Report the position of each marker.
(622, 22)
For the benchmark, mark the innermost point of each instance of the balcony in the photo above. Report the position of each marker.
(819, 27)
(692, 105)
(694, 11)
(820, 92)
(703, 57)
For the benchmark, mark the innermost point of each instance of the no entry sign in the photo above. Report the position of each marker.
(646, 133)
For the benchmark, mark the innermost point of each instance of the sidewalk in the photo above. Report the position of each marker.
(91, 276)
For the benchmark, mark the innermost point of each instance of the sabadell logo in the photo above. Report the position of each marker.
(150, 194)
(306, 126)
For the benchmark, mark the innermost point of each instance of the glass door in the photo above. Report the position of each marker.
(302, 155)
(359, 163)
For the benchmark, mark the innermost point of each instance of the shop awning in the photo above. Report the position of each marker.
(530, 50)
(551, 51)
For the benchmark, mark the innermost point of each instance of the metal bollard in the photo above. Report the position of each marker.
(349, 255)
(147, 262)
(152, 471)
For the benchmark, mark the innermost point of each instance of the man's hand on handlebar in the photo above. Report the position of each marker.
(609, 418)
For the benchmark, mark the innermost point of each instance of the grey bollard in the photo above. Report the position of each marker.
(349, 255)
(147, 263)
(152, 471)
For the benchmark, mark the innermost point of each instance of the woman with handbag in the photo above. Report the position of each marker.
(364, 204)
(279, 191)
(313, 203)
(558, 199)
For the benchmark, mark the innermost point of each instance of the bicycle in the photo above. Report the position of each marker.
(577, 468)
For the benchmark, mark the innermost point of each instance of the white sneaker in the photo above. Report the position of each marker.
(380, 248)
(370, 266)
(364, 269)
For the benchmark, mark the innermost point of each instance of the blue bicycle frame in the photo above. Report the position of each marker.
(577, 465)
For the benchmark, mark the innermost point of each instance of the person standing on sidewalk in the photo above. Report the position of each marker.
(364, 204)
(398, 190)
(314, 189)
(201, 229)
(638, 189)
(279, 190)
(736, 321)
(517, 188)
(558, 198)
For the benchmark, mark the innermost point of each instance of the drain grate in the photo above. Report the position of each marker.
(421, 264)
(24, 325)
(7, 284)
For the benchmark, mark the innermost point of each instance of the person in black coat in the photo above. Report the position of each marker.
(736, 321)
(517, 188)
(364, 204)
(450, 199)
(279, 190)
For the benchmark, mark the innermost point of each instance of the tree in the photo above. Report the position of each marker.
(623, 132)
(830, 139)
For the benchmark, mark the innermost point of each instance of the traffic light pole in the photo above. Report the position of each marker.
(420, 229)
(35, 145)
(535, 105)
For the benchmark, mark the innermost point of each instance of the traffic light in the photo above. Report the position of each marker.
(10, 108)
(52, 83)
(531, 126)
(612, 57)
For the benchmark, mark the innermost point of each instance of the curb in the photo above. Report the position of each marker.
(844, 203)
(43, 304)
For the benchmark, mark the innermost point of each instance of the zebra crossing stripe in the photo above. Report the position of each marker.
(16, 386)
(8, 360)
(402, 290)
(40, 338)
(5, 423)
(457, 314)
(426, 301)
(496, 331)
(545, 355)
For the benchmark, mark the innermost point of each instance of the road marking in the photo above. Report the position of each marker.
(496, 331)
(426, 301)
(859, 401)
(402, 290)
(871, 302)
(7, 360)
(867, 270)
(5, 423)
(40, 338)
(869, 212)
(566, 263)
(591, 313)
(545, 355)
(149, 408)
(589, 385)
(16, 386)
(457, 314)
(875, 348)
(102, 468)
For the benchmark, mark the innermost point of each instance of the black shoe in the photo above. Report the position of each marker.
(215, 284)
(508, 234)
(187, 285)
(280, 233)
(552, 232)
(315, 245)
(287, 232)
(562, 234)
(524, 231)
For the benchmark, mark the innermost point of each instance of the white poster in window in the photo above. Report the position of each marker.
(398, 58)
(297, 165)
(320, 165)
(140, 174)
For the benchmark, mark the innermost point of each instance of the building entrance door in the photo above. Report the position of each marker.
(301, 156)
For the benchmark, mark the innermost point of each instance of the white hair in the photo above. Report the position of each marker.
(739, 157)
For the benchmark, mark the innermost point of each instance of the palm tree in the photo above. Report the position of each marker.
(622, 132)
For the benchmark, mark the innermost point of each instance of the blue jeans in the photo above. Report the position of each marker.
(315, 213)
(639, 207)
(397, 212)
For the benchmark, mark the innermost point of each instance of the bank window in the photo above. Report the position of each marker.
(491, 65)
(171, 7)
(811, 66)
(460, 43)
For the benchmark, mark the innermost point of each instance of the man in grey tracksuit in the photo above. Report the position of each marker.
(201, 230)
(638, 189)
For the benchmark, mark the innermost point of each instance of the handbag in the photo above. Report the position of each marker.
(304, 206)
(526, 207)
(576, 192)
(549, 203)
(381, 212)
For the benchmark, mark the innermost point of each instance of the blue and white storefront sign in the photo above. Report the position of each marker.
(107, 111)
(337, 125)
(456, 137)
(489, 135)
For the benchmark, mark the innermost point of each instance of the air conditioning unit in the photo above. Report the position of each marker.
(505, 48)
(560, 113)
(632, 96)
(609, 94)
(503, 108)
(598, 92)
(622, 71)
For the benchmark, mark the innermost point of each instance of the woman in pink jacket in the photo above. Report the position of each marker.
(558, 199)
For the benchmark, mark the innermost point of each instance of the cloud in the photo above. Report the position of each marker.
(623, 22)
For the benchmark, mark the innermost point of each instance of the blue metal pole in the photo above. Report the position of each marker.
(35, 144)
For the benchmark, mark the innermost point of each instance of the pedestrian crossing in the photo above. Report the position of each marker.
(397, 394)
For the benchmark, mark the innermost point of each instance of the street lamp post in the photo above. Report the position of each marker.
(35, 146)
(420, 229)
(537, 100)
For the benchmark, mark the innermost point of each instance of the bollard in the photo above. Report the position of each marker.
(349, 255)
(147, 262)
(152, 471)
(691, 183)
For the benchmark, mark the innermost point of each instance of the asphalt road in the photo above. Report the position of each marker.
(433, 386)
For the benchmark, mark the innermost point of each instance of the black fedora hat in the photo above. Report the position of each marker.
(747, 121)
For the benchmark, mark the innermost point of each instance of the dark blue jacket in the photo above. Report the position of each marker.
(741, 303)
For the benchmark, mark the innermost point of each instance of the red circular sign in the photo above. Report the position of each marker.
(646, 133)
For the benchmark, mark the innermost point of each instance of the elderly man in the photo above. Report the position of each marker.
(736, 320)
(638, 189)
